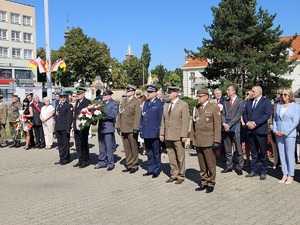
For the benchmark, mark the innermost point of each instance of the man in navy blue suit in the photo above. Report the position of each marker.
(256, 116)
(149, 130)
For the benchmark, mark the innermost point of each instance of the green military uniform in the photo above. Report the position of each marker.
(13, 115)
(3, 117)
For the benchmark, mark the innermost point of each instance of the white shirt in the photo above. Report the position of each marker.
(46, 111)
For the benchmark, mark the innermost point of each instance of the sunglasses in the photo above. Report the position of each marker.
(74, 96)
(284, 95)
(247, 94)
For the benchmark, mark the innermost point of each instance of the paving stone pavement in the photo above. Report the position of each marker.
(35, 191)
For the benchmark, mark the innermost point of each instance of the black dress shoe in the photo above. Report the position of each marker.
(263, 176)
(126, 170)
(226, 171)
(58, 162)
(110, 168)
(252, 174)
(99, 167)
(83, 165)
(239, 172)
(37, 146)
(42, 146)
(13, 145)
(209, 189)
(201, 188)
(155, 175)
(147, 174)
(133, 170)
(77, 164)
(65, 162)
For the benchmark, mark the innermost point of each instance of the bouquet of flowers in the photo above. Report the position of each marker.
(90, 115)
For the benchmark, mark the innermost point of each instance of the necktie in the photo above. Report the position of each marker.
(254, 105)
(170, 108)
(230, 103)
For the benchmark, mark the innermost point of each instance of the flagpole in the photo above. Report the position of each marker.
(47, 35)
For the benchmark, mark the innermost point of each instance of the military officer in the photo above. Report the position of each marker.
(13, 115)
(149, 130)
(3, 117)
(63, 121)
(128, 124)
(206, 137)
(106, 129)
(81, 136)
(174, 130)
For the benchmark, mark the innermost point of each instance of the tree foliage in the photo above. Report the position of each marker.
(146, 59)
(134, 73)
(244, 47)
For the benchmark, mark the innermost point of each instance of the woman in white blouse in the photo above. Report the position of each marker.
(46, 117)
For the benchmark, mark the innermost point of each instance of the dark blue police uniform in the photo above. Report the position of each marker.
(149, 130)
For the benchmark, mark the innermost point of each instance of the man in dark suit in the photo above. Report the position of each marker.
(149, 130)
(63, 120)
(256, 115)
(106, 130)
(231, 122)
(38, 128)
(81, 136)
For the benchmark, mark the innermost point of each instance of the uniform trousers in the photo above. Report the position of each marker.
(2, 134)
(63, 142)
(207, 163)
(15, 135)
(131, 149)
(286, 147)
(176, 154)
(229, 138)
(258, 144)
(81, 138)
(153, 150)
(48, 131)
(106, 153)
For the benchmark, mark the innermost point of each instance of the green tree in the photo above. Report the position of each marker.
(174, 79)
(85, 57)
(133, 68)
(244, 48)
(146, 59)
(118, 74)
(160, 71)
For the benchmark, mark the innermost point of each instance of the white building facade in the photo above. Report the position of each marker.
(17, 45)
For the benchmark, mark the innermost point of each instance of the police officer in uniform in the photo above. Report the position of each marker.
(149, 130)
(63, 121)
(128, 124)
(13, 115)
(206, 137)
(3, 117)
(106, 129)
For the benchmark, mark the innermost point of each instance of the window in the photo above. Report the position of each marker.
(27, 21)
(27, 38)
(3, 34)
(3, 52)
(15, 35)
(5, 73)
(15, 18)
(27, 54)
(23, 74)
(16, 53)
(3, 16)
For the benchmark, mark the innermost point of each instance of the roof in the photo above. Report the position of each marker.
(295, 46)
(195, 63)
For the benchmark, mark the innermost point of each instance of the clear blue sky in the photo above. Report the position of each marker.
(167, 26)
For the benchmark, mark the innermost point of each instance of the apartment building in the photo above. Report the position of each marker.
(17, 45)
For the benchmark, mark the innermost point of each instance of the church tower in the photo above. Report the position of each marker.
(129, 53)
